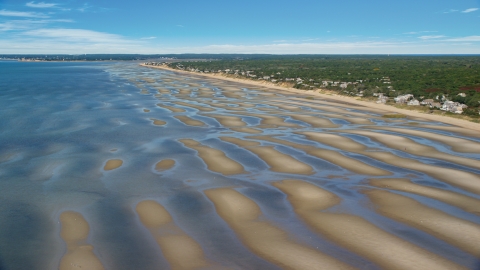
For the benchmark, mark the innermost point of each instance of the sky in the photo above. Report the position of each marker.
(247, 26)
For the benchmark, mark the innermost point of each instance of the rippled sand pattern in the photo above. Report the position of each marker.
(160, 170)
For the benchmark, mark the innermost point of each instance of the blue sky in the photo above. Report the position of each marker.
(247, 26)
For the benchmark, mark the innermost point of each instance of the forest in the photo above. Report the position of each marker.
(422, 76)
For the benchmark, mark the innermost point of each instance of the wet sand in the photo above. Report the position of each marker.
(264, 239)
(171, 108)
(465, 180)
(278, 161)
(228, 121)
(464, 202)
(329, 155)
(75, 230)
(113, 164)
(164, 165)
(215, 159)
(356, 233)
(189, 121)
(157, 122)
(457, 144)
(181, 251)
(459, 232)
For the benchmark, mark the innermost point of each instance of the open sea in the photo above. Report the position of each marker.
(61, 124)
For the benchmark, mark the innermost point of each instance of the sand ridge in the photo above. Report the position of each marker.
(278, 161)
(113, 164)
(75, 230)
(355, 233)
(180, 250)
(464, 202)
(164, 165)
(458, 232)
(189, 121)
(215, 159)
(264, 239)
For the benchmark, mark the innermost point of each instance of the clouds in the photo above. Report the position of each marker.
(25, 14)
(470, 10)
(76, 35)
(431, 37)
(41, 5)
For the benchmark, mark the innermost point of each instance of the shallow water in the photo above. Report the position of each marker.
(62, 122)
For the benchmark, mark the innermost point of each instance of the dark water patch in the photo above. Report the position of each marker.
(119, 238)
(26, 236)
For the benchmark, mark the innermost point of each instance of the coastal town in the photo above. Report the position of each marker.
(348, 88)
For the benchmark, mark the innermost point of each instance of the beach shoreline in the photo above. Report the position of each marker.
(344, 99)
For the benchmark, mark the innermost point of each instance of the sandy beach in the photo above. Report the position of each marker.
(451, 121)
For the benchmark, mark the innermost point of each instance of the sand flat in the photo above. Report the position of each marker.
(414, 148)
(247, 130)
(171, 108)
(180, 250)
(464, 180)
(227, 120)
(113, 164)
(316, 122)
(458, 232)
(278, 161)
(79, 255)
(355, 233)
(215, 159)
(457, 144)
(330, 156)
(189, 121)
(198, 107)
(264, 239)
(164, 165)
(269, 120)
(464, 202)
(454, 129)
(157, 122)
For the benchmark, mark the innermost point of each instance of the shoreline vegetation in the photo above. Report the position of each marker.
(325, 94)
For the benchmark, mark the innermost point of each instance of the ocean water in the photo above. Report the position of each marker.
(61, 122)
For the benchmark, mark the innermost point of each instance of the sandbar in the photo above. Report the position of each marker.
(215, 159)
(355, 233)
(171, 108)
(264, 239)
(458, 232)
(113, 164)
(180, 250)
(330, 156)
(157, 122)
(457, 144)
(278, 161)
(414, 148)
(189, 121)
(75, 230)
(464, 202)
(164, 165)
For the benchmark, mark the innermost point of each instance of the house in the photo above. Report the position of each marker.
(403, 99)
(413, 102)
(427, 102)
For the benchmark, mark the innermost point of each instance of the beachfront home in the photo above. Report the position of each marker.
(413, 102)
(403, 98)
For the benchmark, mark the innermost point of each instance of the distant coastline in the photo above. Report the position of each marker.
(335, 97)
